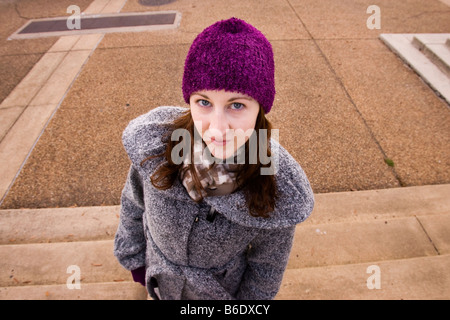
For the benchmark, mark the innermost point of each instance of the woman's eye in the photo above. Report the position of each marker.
(237, 106)
(203, 103)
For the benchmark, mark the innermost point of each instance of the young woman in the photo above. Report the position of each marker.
(211, 202)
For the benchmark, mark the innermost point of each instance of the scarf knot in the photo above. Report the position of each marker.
(216, 177)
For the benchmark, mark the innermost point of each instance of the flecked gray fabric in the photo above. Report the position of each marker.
(235, 256)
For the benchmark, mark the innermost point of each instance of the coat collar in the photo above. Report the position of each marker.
(142, 138)
(294, 205)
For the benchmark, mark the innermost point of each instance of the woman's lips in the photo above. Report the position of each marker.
(219, 143)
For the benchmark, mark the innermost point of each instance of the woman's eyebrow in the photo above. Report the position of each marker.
(230, 100)
(199, 94)
(239, 98)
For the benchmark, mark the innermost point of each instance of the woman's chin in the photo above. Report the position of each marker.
(221, 153)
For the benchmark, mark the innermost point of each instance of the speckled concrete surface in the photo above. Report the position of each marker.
(344, 101)
(79, 159)
(411, 125)
(275, 19)
(344, 19)
(17, 57)
(320, 126)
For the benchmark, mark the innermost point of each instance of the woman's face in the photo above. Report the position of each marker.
(224, 119)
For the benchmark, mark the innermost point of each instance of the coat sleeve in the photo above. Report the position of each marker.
(267, 259)
(129, 242)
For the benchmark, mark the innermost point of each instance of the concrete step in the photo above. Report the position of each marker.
(378, 204)
(412, 279)
(432, 74)
(126, 290)
(21, 226)
(314, 246)
(347, 231)
(357, 242)
(48, 263)
(434, 48)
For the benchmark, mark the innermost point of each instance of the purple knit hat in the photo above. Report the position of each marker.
(231, 55)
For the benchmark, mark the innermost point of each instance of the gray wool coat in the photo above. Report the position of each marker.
(187, 254)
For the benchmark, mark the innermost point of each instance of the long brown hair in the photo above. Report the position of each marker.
(260, 190)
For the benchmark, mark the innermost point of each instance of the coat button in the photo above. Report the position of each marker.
(196, 219)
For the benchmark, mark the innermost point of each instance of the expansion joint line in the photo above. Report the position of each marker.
(341, 84)
(428, 236)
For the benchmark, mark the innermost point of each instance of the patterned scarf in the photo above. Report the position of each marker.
(212, 175)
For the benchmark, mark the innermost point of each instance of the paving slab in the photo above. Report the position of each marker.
(87, 42)
(274, 18)
(64, 44)
(12, 70)
(103, 116)
(56, 86)
(47, 8)
(410, 124)
(408, 279)
(8, 117)
(329, 19)
(30, 85)
(96, 6)
(18, 57)
(320, 126)
(16, 145)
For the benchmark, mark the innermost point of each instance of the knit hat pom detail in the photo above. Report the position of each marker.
(232, 26)
(234, 56)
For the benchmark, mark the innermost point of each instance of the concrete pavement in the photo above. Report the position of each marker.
(345, 104)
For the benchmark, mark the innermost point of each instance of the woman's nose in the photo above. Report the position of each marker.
(219, 124)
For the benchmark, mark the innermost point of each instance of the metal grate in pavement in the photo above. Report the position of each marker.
(122, 22)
